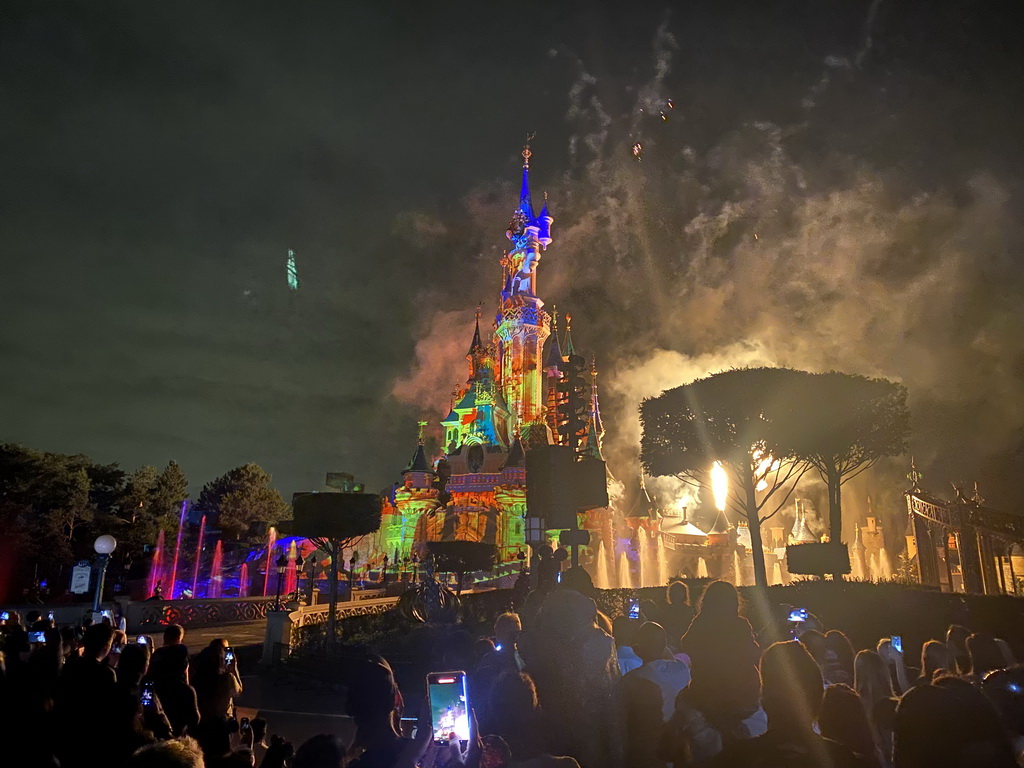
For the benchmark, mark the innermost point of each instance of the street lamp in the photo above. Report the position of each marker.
(352, 575)
(282, 566)
(104, 546)
(384, 573)
(299, 562)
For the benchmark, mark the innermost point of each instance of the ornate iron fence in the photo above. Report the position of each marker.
(197, 613)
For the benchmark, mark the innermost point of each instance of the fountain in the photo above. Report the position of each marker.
(884, 564)
(737, 566)
(216, 588)
(643, 559)
(199, 558)
(177, 550)
(702, 568)
(156, 566)
(243, 580)
(662, 559)
(271, 538)
(776, 574)
(290, 574)
(601, 568)
(625, 577)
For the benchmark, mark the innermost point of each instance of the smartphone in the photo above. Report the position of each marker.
(799, 615)
(634, 608)
(229, 656)
(141, 640)
(50, 616)
(147, 695)
(37, 637)
(244, 725)
(897, 643)
(5, 616)
(449, 705)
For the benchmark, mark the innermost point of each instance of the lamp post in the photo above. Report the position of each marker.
(352, 575)
(299, 562)
(104, 546)
(415, 564)
(282, 566)
(384, 572)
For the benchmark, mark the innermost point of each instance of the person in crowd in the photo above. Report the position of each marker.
(873, 683)
(375, 705)
(949, 724)
(216, 680)
(322, 751)
(1005, 689)
(956, 641)
(169, 673)
(838, 658)
(624, 632)
(574, 667)
(935, 658)
(649, 694)
(677, 612)
(792, 695)
(723, 659)
(814, 642)
(1009, 659)
(842, 718)
(137, 722)
(258, 725)
(176, 753)
(501, 659)
(519, 723)
(984, 654)
(899, 674)
(86, 695)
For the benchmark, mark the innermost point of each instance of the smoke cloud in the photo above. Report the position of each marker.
(762, 243)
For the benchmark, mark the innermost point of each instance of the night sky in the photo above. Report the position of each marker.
(160, 160)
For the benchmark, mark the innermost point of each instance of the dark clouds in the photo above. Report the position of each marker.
(168, 156)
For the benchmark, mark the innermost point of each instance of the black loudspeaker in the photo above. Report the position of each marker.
(548, 487)
(334, 515)
(591, 484)
(818, 559)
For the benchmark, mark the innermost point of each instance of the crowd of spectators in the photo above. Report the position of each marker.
(559, 685)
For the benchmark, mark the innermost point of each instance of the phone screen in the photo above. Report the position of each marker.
(5, 616)
(897, 643)
(147, 695)
(141, 640)
(229, 656)
(634, 609)
(449, 705)
(800, 614)
(37, 637)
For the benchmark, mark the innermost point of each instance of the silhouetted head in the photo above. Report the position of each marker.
(871, 678)
(176, 753)
(1005, 689)
(984, 652)
(720, 599)
(956, 639)
(514, 708)
(323, 751)
(791, 685)
(624, 631)
(814, 642)
(949, 725)
(677, 593)
(133, 663)
(373, 695)
(651, 642)
(842, 718)
(174, 634)
(936, 656)
(507, 628)
(838, 657)
(97, 641)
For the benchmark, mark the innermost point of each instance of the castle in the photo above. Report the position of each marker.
(522, 390)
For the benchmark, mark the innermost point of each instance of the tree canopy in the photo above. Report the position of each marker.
(242, 503)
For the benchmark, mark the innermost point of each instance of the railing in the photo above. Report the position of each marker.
(305, 626)
(197, 613)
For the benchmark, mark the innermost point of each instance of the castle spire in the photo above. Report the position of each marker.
(567, 346)
(476, 345)
(595, 408)
(553, 363)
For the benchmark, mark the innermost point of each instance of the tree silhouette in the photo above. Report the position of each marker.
(243, 503)
(735, 417)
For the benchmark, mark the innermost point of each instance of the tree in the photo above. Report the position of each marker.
(735, 418)
(462, 557)
(842, 424)
(170, 490)
(242, 502)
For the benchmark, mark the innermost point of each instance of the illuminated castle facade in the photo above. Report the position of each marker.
(514, 398)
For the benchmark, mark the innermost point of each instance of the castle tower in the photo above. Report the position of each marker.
(522, 325)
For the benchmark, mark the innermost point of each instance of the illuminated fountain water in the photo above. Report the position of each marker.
(216, 588)
(601, 580)
(199, 558)
(290, 574)
(645, 562)
(776, 575)
(156, 566)
(177, 550)
(702, 568)
(662, 560)
(884, 564)
(625, 576)
(737, 566)
(243, 580)
(271, 538)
